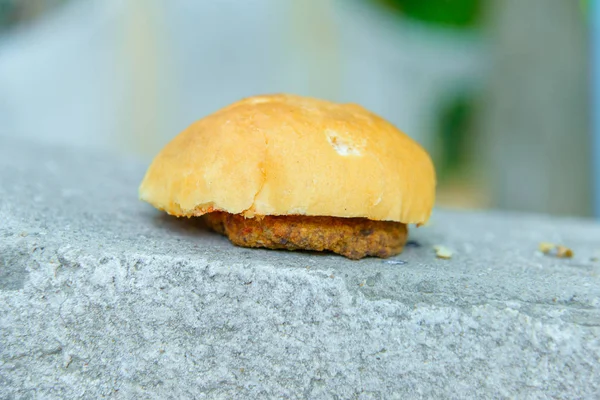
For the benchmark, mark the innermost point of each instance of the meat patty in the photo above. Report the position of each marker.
(354, 238)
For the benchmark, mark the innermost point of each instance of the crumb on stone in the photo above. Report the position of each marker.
(556, 250)
(546, 247)
(563, 252)
(443, 252)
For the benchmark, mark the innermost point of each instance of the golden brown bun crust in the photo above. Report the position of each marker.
(292, 155)
(354, 238)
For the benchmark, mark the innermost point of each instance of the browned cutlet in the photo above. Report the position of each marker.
(354, 238)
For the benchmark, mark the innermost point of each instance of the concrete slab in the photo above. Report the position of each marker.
(101, 295)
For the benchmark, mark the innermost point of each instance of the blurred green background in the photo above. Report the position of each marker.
(456, 14)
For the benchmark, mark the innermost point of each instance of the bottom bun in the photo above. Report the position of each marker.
(354, 238)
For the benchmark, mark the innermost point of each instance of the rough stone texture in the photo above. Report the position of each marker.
(102, 296)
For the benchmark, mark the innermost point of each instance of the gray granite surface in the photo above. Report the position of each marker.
(102, 296)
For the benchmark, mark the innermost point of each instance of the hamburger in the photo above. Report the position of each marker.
(296, 173)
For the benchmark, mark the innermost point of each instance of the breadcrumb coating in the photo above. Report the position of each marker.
(353, 238)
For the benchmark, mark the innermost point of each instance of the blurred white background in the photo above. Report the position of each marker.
(498, 95)
(131, 74)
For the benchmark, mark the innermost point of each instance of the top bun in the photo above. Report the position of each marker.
(291, 155)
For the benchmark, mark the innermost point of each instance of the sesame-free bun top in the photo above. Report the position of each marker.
(291, 155)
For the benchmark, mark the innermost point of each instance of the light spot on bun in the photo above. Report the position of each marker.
(344, 146)
(259, 100)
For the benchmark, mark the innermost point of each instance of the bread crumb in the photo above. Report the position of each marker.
(563, 252)
(443, 252)
(557, 250)
(546, 247)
